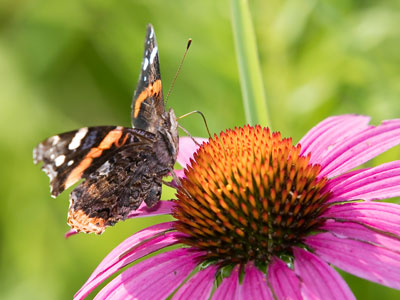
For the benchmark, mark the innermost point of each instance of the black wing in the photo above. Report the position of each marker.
(70, 156)
(148, 101)
(116, 188)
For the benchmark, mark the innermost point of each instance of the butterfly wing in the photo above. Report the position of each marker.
(73, 155)
(148, 101)
(120, 168)
(116, 188)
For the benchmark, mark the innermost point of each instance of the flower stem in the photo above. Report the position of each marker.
(254, 100)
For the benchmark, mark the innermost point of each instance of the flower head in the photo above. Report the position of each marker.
(249, 196)
(260, 218)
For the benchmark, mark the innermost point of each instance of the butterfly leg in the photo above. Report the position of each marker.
(171, 184)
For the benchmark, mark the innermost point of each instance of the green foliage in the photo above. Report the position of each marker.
(68, 64)
(254, 101)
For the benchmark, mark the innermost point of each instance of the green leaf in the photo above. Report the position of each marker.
(254, 100)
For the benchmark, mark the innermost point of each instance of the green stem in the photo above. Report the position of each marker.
(254, 100)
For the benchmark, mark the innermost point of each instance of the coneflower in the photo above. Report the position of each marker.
(260, 218)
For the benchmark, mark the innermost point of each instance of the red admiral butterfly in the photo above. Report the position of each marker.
(122, 167)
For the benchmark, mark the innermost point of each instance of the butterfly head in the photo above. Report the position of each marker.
(169, 131)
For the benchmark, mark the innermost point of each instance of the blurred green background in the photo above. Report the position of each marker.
(69, 64)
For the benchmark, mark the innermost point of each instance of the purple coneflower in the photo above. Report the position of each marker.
(260, 218)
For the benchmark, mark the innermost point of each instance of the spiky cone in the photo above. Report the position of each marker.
(249, 196)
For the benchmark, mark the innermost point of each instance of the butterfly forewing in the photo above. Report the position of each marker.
(148, 102)
(73, 155)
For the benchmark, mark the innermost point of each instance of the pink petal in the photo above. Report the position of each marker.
(199, 286)
(161, 208)
(148, 247)
(324, 137)
(361, 259)
(154, 278)
(254, 285)
(360, 233)
(186, 149)
(70, 233)
(146, 241)
(283, 281)
(319, 281)
(135, 239)
(332, 182)
(229, 288)
(180, 173)
(359, 148)
(370, 184)
(378, 215)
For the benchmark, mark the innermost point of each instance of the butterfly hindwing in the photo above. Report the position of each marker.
(116, 188)
(148, 101)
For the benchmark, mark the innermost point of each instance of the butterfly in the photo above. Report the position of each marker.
(121, 167)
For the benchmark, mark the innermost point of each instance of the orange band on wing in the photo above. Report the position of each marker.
(80, 221)
(111, 138)
(122, 142)
(151, 90)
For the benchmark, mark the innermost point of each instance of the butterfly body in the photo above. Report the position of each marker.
(121, 167)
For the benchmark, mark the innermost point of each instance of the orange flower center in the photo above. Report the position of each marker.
(248, 196)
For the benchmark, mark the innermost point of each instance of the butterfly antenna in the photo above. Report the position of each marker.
(191, 113)
(178, 71)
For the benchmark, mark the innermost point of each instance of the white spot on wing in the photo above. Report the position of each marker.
(59, 160)
(104, 169)
(153, 54)
(54, 140)
(145, 63)
(70, 163)
(151, 33)
(49, 169)
(76, 141)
